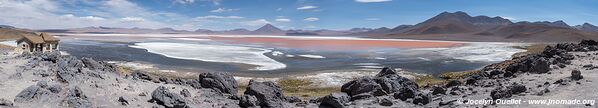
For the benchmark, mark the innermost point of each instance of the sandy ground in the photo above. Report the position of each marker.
(102, 92)
(584, 89)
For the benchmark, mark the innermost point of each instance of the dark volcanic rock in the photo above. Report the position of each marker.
(386, 82)
(185, 93)
(248, 101)
(422, 99)
(292, 99)
(31, 93)
(223, 82)
(76, 99)
(502, 92)
(363, 88)
(123, 101)
(336, 100)
(453, 83)
(141, 75)
(531, 63)
(385, 102)
(438, 90)
(386, 71)
(517, 88)
(6, 103)
(167, 99)
(576, 75)
(267, 93)
(499, 93)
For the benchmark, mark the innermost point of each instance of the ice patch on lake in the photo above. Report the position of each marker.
(312, 56)
(214, 53)
(133, 65)
(9, 43)
(481, 51)
(277, 53)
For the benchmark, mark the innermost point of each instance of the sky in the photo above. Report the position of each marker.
(285, 14)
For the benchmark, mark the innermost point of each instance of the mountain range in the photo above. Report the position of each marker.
(444, 26)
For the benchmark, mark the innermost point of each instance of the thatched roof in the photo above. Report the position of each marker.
(42, 38)
(34, 39)
(48, 38)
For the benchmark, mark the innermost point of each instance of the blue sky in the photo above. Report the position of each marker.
(286, 14)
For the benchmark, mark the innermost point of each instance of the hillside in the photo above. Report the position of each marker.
(13, 33)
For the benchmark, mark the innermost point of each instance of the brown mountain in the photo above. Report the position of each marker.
(587, 27)
(462, 27)
(268, 29)
(453, 23)
(536, 32)
(9, 33)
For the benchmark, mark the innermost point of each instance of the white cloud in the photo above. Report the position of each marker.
(220, 10)
(215, 2)
(311, 19)
(217, 17)
(307, 7)
(132, 19)
(183, 1)
(310, 27)
(283, 20)
(258, 22)
(279, 9)
(371, 1)
(372, 19)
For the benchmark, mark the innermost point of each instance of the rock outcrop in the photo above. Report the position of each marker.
(222, 82)
(386, 82)
(268, 94)
(164, 97)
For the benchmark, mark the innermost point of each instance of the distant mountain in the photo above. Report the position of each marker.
(400, 28)
(380, 30)
(360, 30)
(463, 27)
(7, 26)
(452, 23)
(587, 27)
(558, 23)
(268, 29)
(9, 32)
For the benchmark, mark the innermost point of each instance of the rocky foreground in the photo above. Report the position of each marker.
(563, 71)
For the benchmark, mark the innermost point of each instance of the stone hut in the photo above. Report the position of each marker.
(43, 42)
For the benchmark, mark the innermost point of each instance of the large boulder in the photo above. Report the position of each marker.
(76, 99)
(222, 82)
(336, 100)
(164, 97)
(386, 82)
(531, 64)
(506, 92)
(268, 94)
(363, 87)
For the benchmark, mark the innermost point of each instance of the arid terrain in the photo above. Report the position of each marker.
(563, 71)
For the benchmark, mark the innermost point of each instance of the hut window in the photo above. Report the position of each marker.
(47, 46)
